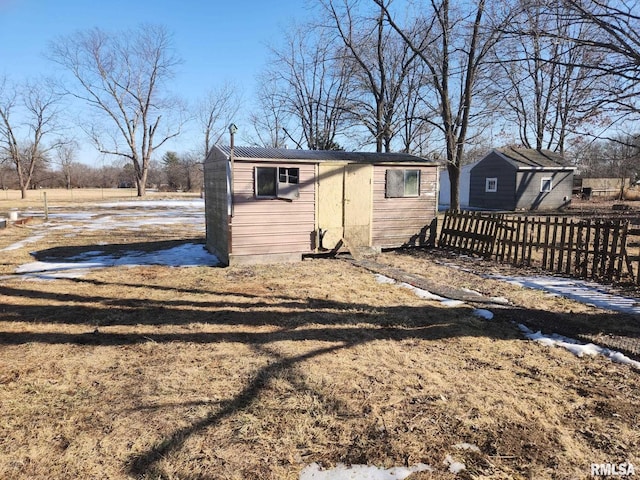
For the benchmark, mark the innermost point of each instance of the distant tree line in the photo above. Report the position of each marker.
(173, 173)
(437, 78)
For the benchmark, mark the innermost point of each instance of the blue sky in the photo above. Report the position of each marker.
(218, 40)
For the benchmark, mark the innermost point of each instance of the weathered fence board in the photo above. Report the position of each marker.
(585, 248)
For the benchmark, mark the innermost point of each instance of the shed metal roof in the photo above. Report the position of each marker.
(528, 158)
(260, 153)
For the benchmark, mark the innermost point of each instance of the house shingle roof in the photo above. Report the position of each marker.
(531, 158)
(259, 153)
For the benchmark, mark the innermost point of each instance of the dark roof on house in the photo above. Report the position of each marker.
(260, 153)
(532, 158)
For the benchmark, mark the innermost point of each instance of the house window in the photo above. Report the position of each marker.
(277, 182)
(546, 185)
(403, 183)
(491, 185)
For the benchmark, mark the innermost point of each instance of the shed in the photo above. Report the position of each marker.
(521, 179)
(273, 205)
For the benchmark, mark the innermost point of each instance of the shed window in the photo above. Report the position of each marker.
(266, 182)
(403, 183)
(277, 182)
(491, 185)
(546, 185)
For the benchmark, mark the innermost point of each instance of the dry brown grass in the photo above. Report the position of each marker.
(255, 372)
(10, 199)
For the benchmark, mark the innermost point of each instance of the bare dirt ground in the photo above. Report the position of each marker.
(255, 372)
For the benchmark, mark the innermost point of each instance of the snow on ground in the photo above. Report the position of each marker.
(187, 255)
(360, 472)
(589, 293)
(483, 313)
(26, 241)
(585, 292)
(424, 294)
(577, 348)
(136, 215)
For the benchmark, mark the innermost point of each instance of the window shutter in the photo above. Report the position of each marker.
(395, 183)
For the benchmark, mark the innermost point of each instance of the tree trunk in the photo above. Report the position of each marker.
(141, 184)
(454, 182)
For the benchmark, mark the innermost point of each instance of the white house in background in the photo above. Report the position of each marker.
(444, 200)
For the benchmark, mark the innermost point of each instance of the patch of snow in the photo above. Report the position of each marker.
(187, 255)
(472, 292)
(589, 293)
(451, 303)
(419, 292)
(383, 279)
(454, 466)
(500, 300)
(425, 294)
(69, 216)
(483, 313)
(22, 243)
(360, 472)
(577, 348)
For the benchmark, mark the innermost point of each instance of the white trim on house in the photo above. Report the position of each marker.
(555, 169)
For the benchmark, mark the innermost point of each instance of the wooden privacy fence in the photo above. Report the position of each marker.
(583, 248)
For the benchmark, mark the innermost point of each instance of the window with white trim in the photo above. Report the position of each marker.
(491, 185)
(402, 183)
(277, 182)
(546, 185)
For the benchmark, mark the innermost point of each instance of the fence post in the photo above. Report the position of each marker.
(572, 227)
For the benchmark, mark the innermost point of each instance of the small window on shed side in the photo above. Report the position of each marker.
(277, 182)
(491, 185)
(402, 183)
(411, 183)
(546, 185)
(266, 186)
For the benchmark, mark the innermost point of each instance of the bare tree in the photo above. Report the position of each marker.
(415, 134)
(271, 116)
(382, 63)
(614, 36)
(313, 86)
(453, 41)
(38, 107)
(544, 82)
(215, 112)
(123, 76)
(65, 157)
(616, 157)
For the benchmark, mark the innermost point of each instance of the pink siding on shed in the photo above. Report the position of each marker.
(400, 221)
(272, 226)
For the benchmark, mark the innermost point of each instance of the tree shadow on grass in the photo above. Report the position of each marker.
(80, 253)
(145, 463)
(340, 325)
